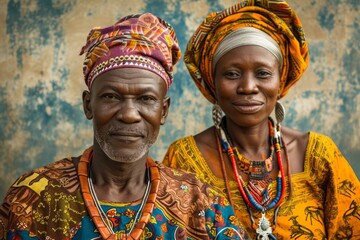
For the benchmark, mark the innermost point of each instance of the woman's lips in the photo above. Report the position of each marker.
(248, 106)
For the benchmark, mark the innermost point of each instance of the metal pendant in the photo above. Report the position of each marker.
(279, 112)
(264, 230)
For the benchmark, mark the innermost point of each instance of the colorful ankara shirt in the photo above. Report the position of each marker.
(325, 203)
(47, 203)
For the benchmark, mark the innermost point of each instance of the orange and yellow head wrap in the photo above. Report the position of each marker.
(275, 18)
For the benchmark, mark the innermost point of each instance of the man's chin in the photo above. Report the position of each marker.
(126, 155)
(126, 158)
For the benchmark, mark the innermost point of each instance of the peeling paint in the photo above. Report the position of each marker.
(326, 18)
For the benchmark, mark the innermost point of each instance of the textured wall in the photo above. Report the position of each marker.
(41, 82)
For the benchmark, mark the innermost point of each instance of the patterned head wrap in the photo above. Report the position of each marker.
(136, 41)
(274, 17)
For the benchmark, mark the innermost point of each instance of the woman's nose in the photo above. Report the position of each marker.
(247, 84)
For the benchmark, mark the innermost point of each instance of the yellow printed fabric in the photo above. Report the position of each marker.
(325, 203)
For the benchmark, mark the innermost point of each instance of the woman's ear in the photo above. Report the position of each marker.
(86, 96)
(165, 110)
(278, 96)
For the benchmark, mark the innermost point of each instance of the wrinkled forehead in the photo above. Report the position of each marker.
(130, 80)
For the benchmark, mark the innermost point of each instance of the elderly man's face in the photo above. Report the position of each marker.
(127, 106)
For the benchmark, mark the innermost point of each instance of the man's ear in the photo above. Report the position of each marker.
(86, 96)
(165, 110)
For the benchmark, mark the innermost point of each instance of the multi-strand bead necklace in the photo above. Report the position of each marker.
(256, 193)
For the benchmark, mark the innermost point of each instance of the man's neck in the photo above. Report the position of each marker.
(118, 181)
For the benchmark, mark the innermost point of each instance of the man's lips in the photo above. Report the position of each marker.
(126, 136)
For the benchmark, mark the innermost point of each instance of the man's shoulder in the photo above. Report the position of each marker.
(61, 172)
(186, 197)
(182, 182)
(42, 192)
(52, 170)
(176, 174)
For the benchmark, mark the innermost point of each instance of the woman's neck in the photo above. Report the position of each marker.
(253, 141)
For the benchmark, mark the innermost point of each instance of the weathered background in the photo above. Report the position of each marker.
(41, 82)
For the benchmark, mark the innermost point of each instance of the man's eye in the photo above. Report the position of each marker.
(108, 96)
(147, 99)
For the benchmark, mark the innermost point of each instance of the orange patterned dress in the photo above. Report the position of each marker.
(326, 198)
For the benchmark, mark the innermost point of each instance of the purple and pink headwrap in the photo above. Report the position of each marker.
(136, 41)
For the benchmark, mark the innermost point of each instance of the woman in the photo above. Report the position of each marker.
(281, 182)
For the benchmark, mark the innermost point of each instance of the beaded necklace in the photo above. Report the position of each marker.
(264, 229)
(256, 169)
(259, 179)
(95, 211)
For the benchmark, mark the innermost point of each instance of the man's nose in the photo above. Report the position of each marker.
(128, 112)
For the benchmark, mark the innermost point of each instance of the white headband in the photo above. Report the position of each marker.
(244, 37)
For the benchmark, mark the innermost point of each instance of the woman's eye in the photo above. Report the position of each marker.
(264, 74)
(232, 75)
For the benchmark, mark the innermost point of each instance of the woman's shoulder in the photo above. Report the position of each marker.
(181, 141)
(204, 137)
(308, 141)
(201, 138)
(303, 138)
(323, 146)
(295, 143)
(188, 147)
(195, 154)
(206, 142)
(311, 147)
(292, 134)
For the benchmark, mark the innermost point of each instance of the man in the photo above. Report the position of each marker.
(114, 190)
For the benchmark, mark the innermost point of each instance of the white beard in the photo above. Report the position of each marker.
(116, 154)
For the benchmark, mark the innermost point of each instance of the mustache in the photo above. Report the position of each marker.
(125, 131)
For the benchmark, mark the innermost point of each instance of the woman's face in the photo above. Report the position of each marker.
(247, 81)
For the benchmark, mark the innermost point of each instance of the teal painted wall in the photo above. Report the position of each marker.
(41, 117)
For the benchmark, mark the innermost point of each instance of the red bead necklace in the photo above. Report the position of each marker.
(83, 172)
